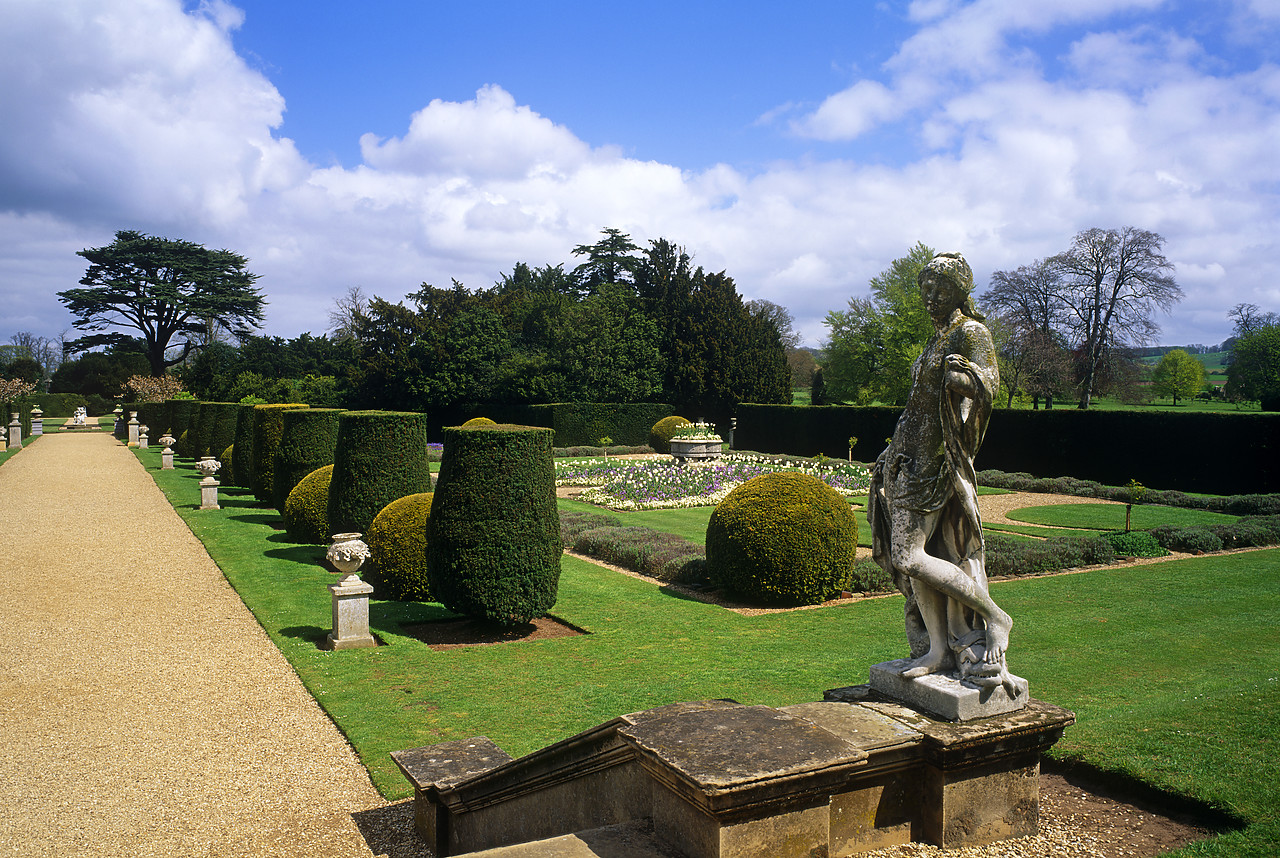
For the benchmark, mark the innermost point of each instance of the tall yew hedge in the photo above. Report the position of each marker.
(381, 457)
(493, 546)
(242, 454)
(308, 438)
(268, 424)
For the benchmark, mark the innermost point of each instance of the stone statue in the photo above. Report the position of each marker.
(924, 507)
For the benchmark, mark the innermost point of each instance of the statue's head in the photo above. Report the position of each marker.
(949, 270)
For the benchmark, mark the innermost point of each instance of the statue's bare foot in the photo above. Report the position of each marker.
(998, 627)
(926, 664)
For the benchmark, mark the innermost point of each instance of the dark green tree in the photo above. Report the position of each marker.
(166, 289)
(97, 373)
(612, 259)
(1254, 372)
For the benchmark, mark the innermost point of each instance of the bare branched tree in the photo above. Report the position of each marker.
(346, 309)
(1115, 280)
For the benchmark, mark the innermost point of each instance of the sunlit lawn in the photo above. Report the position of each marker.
(1173, 669)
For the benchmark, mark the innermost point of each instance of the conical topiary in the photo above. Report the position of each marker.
(381, 457)
(308, 438)
(268, 423)
(493, 545)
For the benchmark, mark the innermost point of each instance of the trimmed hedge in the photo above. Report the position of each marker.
(179, 417)
(228, 472)
(398, 548)
(784, 537)
(306, 511)
(650, 552)
(222, 431)
(308, 439)
(479, 421)
(268, 425)
(661, 433)
(381, 457)
(494, 542)
(1230, 504)
(242, 448)
(1236, 453)
(576, 424)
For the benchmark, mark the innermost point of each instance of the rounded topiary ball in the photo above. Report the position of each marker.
(785, 537)
(478, 421)
(662, 431)
(397, 542)
(306, 511)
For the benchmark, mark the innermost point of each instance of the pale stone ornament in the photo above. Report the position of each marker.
(346, 554)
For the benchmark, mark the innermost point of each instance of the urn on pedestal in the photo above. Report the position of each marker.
(346, 555)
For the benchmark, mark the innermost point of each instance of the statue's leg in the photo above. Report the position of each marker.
(911, 530)
(933, 610)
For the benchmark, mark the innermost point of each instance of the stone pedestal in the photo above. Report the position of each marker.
(166, 460)
(133, 428)
(37, 422)
(350, 615)
(15, 433)
(208, 492)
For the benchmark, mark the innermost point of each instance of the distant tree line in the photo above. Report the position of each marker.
(623, 325)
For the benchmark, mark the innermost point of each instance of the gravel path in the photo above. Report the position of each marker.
(143, 710)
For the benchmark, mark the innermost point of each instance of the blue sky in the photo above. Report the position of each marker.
(799, 147)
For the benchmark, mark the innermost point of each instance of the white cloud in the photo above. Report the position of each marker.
(132, 114)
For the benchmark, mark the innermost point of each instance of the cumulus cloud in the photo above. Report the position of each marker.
(136, 114)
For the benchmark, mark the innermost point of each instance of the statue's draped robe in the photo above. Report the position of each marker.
(928, 467)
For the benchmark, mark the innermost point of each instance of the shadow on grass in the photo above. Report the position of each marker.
(311, 634)
(267, 518)
(309, 555)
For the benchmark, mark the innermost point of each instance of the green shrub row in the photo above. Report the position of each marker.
(1135, 543)
(1253, 504)
(1008, 556)
(576, 424)
(1248, 532)
(663, 556)
(179, 420)
(306, 510)
(242, 448)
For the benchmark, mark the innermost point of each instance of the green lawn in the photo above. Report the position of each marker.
(1110, 516)
(1173, 669)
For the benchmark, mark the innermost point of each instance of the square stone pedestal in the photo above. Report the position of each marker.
(350, 616)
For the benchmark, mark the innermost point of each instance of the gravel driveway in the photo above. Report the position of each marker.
(143, 710)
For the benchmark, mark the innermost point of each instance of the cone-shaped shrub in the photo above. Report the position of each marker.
(242, 465)
(268, 424)
(398, 550)
(308, 437)
(306, 511)
(381, 457)
(783, 538)
(200, 430)
(493, 544)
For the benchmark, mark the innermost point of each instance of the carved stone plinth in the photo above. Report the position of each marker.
(133, 428)
(350, 615)
(37, 422)
(15, 433)
(209, 493)
(166, 459)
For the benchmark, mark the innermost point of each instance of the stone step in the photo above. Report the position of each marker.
(633, 839)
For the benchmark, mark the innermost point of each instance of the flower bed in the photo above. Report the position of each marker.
(664, 484)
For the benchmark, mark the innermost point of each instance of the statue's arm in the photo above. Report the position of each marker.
(972, 366)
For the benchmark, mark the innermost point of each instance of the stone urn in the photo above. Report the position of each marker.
(346, 554)
(166, 440)
(208, 466)
(697, 449)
